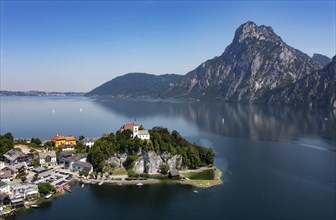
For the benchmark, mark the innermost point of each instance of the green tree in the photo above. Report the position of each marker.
(80, 147)
(46, 188)
(81, 137)
(23, 178)
(6, 143)
(129, 162)
(164, 168)
(36, 141)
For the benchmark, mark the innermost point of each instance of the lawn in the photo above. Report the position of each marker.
(207, 174)
(119, 171)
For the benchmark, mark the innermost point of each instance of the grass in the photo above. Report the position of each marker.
(119, 171)
(203, 183)
(207, 174)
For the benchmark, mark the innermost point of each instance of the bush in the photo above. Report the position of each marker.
(46, 188)
(83, 173)
(164, 168)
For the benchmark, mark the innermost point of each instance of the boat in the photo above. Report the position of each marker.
(35, 206)
(48, 196)
(101, 183)
(68, 190)
(139, 184)
(82, 185)
(195, 191)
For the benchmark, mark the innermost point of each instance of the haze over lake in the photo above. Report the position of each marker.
(277, 162)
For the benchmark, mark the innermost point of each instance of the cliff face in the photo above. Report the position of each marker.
(321, 59)
(257, 61)
(315, 90)
(149, 162)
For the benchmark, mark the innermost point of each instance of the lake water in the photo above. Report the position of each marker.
(277, 162)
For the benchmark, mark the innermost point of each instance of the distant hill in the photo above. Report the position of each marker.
(38, 93)
(321, 59)
(136, 85)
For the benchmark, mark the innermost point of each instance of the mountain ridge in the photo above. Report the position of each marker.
(253, 68)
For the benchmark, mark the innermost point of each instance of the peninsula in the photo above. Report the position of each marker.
(34, 171)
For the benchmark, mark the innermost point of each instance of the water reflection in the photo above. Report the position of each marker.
(236, 120)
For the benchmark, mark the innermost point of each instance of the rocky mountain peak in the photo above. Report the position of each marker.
(250, 30)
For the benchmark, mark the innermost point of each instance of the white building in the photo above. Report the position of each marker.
(142, 134)
(4, 187)
(23, 190)
(47, 158)
(89, 142)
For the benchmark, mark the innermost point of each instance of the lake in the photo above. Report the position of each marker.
(277, 162)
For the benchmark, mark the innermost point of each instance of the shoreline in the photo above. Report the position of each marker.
(200, 183)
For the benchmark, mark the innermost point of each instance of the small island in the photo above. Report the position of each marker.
(33, 171)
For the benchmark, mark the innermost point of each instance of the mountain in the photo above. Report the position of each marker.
(321, 59)
(315, 90)
(257, 67)
(136, 85)
(255, 63)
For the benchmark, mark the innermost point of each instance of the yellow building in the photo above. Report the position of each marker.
(62, 140)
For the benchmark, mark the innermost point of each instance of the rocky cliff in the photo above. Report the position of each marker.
(256, 61)
(149, 162)
(321, 59)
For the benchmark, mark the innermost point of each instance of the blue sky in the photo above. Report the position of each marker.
(78, 45)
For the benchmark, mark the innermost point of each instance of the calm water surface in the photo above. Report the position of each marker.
(277, 162)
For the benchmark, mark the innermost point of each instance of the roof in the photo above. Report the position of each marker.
(58, 138)
(2, 183)
(88, 139)
(76, 157)
(13, 154)
(127, 127)
(70, 138)
(61, 137)
(174, 173)
(3, 196)
(5, 174)
(82, 164)
(143, 132)
(63, 154)
(17, 166)
(43, 155)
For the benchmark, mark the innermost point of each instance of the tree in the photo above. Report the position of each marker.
(36, 141)
(6, 143)
(164, 168)
(46, 188)
(83, 173)
(80, 147)
(81, 137)
(129, 163)
(23, 178)
(35, 177)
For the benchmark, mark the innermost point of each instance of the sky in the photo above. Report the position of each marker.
(78, 45)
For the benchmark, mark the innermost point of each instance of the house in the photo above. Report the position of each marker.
(47, 158)
(19, 168)
(82, 166)
(67, 147)
(59, 140)
(6, 176)
(62, 156)
(89, 142)
(174, 174)
(78, 163)
(4, 187)
(13, 157)
(17, 202)
(23, 190)
(4, 200)
(68, 162)
(142, 134)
